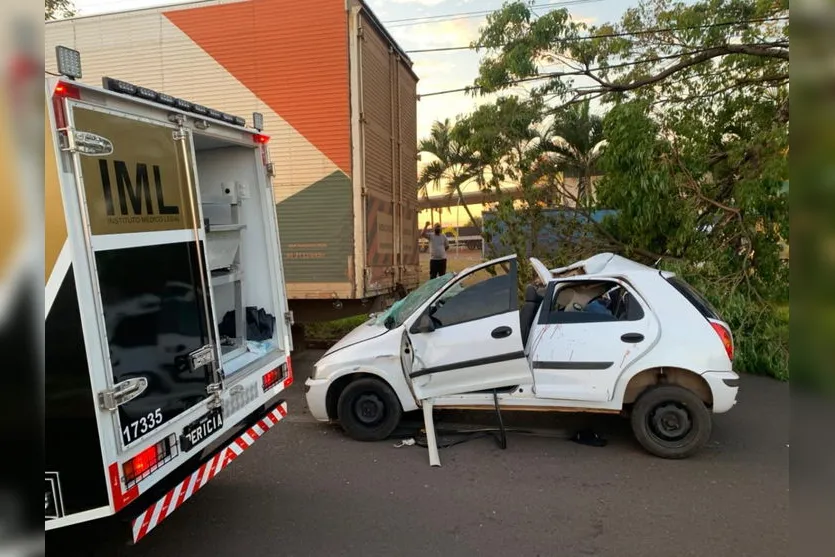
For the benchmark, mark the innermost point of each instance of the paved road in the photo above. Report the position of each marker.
(306, 490)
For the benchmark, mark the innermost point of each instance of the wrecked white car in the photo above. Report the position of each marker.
(605, 335)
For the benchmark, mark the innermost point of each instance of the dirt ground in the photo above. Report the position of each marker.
(456, 261)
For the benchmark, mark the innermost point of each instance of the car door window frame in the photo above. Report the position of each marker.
(547, 312)
(513, 299)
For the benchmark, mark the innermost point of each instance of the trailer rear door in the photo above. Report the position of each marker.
(143, 228)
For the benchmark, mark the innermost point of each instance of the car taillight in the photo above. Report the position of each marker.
(147, 461)
(725, 337)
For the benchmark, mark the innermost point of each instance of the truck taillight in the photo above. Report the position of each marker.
(63, 91)
(66, 90)
(146, 462)
(260, 138)
(274, 376)
(725, 337)
(270, 378)
(288, 380)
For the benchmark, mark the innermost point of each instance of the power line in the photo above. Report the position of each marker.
(582, 72)
(410, 21)
(622, 34)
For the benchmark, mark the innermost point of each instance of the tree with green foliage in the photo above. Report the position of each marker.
(453, 164)
(573, 143)
(695, 162)
(55, 9)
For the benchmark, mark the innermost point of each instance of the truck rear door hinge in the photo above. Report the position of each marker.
(178, 134)
(121, 393)
(214, 390)
(288, 317)
(85, 143)
(270, 172)
(202, 357)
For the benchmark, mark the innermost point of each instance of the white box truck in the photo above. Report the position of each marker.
(167, 332)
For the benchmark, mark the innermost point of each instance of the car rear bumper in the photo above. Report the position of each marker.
(724, 385)
(316, 393)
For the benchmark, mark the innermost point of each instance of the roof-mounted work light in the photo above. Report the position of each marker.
(258, 121)
(69, 62)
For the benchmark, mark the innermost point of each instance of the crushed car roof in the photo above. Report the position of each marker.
(602, 263)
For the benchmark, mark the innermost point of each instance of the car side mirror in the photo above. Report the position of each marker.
(424, 324)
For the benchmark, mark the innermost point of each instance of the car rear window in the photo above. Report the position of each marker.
(696, 298)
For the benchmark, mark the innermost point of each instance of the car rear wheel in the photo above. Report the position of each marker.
(368, 410)
(671, 422)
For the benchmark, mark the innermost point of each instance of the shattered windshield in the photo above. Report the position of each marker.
(402, 309)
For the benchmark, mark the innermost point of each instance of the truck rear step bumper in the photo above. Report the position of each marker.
(162, 509)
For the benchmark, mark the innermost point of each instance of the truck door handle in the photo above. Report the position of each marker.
(501, 332)
(632, 338)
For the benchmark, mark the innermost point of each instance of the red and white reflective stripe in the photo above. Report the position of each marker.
(162, 509)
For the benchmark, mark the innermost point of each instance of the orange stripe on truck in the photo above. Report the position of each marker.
(292, 55)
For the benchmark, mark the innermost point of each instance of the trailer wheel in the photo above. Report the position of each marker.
(368, 410)
(671, 422)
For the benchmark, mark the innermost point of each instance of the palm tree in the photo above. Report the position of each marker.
(574, 143)
(454, 164)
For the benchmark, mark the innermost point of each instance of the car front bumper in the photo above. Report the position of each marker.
(724, 385)
(316, 395)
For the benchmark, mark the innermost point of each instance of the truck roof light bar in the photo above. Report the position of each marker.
(125, 88)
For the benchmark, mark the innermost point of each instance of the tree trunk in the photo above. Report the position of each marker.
(583, 194)
(464, 205)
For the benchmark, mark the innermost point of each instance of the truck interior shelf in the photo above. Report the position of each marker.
(236, 250)
(226, 277)
(225, 228)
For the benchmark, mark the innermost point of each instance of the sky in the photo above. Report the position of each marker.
(438, 71)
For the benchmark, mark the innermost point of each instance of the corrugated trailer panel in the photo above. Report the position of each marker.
(289, 62)
(408, 172)
(390, 138)
(380, 172)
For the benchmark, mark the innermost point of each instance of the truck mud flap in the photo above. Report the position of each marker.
(151, 517)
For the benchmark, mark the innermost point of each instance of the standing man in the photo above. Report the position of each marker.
(438, 244)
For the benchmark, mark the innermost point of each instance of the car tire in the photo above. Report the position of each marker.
(368, 410)
(671, 422)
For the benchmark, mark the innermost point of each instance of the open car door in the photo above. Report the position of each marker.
(468, 337)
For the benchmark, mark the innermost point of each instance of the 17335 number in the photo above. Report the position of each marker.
(140, 427)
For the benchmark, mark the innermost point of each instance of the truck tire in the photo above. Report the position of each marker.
(368, 410)
(671, 422)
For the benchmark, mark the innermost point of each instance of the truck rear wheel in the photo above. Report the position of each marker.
(671, 422)
(368, 410)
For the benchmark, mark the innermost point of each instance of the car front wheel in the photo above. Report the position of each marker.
(368, 410)
(671, 422)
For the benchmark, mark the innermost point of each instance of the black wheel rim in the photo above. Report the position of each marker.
(670, 422)
(369, 409)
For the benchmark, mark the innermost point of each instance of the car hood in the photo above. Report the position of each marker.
(362, 333)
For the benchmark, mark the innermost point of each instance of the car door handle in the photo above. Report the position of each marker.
(632, 337)
(501, 332)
